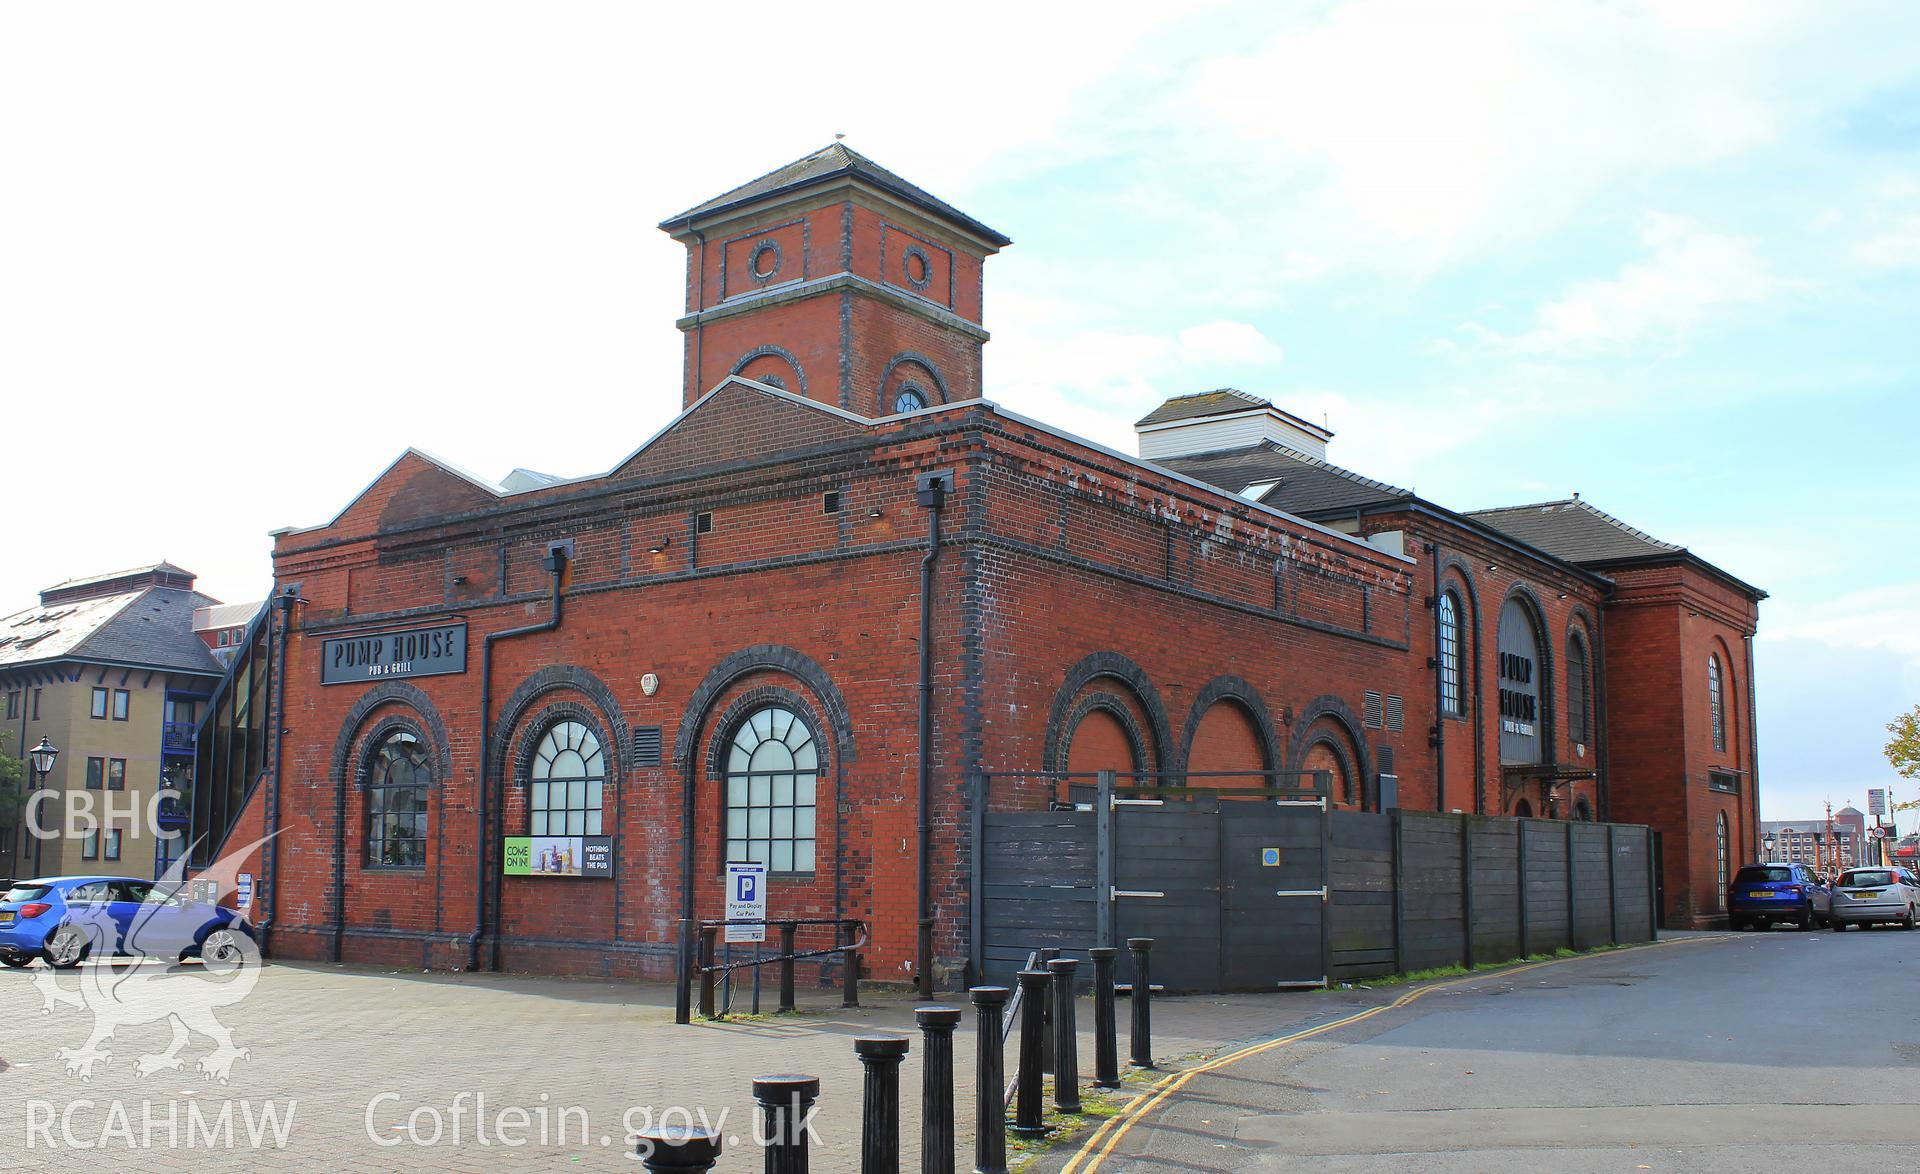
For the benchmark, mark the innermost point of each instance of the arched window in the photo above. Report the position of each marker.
(909, 399)
(1722, 849)
(1583, 810)
(398, 776)
(1579, 691)
(1452, 692)
(773, 765)
(1520, 684)
(1716, 703)
(1523, 810)
(568, 778)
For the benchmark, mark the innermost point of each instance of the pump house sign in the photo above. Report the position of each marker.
(379, 656)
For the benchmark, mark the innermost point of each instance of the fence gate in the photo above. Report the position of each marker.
(1230, 882)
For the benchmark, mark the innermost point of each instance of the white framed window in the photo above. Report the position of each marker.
(568, 781)
(772, 781)
(1452, 694)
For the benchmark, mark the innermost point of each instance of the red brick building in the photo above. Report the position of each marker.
(730, 644)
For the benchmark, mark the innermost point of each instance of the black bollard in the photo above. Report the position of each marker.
(1106, 1049)
(936, 1087)
(989, 1079)
(880, 1102)
(1142, 1003)
(1066, 1044)
(787, 931)
(850, 964)
(786, 1104)
(708, 935)
(1046, 1036)
(1033, 1025)
(679, 1151)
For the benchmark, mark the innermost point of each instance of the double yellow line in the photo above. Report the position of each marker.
(1096, 1148)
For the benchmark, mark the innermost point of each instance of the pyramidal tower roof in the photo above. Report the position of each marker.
(831, 163)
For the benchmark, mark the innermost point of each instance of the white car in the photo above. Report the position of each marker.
(1863, 896)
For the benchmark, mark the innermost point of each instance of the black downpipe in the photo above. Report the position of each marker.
(556, 565)
(1439, 738)
(282, 603)
(932, 495)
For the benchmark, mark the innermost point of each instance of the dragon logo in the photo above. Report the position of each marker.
(131, 991)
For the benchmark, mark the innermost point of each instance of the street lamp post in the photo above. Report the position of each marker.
(41, 759)
(1767, 841)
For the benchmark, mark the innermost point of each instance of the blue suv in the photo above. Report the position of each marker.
(1765, 893)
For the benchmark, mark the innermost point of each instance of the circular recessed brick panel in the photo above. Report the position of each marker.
(764, 262)
(916, 267)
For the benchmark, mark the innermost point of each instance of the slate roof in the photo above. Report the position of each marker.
(1220, 401)
(823, 166)
(1308, 486)
(149, 628)
(1217, 402)
(1574, 531)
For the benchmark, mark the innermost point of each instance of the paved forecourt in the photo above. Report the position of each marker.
(359, 1055)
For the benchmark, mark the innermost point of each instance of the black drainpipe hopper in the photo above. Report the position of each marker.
(931, 492)
(555, 565)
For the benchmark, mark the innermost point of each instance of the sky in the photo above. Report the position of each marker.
(1663, 254)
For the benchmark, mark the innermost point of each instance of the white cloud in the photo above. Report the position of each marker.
(1873, 618)
(1898, 247)
(1689, 278)
(1227, 342)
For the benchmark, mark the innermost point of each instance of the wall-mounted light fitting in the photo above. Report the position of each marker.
(661, 545)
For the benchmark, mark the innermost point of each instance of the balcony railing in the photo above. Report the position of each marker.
(177, 737)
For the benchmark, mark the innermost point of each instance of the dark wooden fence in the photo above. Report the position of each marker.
(1347, 894)
(1415, 891)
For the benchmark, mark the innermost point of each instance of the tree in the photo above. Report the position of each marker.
(12, 796)
(1903, 751)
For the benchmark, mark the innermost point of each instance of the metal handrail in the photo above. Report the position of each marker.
(797, 955)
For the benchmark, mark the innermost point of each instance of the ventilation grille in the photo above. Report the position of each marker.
(1370, 710)
(1383, 760)
(1396, 712)
(646, 746)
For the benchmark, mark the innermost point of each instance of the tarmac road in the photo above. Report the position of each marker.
(1785, 1050)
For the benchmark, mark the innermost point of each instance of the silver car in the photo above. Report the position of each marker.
(1863, 896)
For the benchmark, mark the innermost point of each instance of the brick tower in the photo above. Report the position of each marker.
(835, 279)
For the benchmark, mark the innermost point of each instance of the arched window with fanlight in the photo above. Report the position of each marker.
(1716, 703)
(398, 776)
(1452, 691)
(772, 779)
(567, 779)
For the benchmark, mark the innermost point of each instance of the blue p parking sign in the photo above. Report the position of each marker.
(746, 900)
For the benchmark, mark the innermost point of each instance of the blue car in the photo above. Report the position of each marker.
(1763, 894)
(65, 919)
